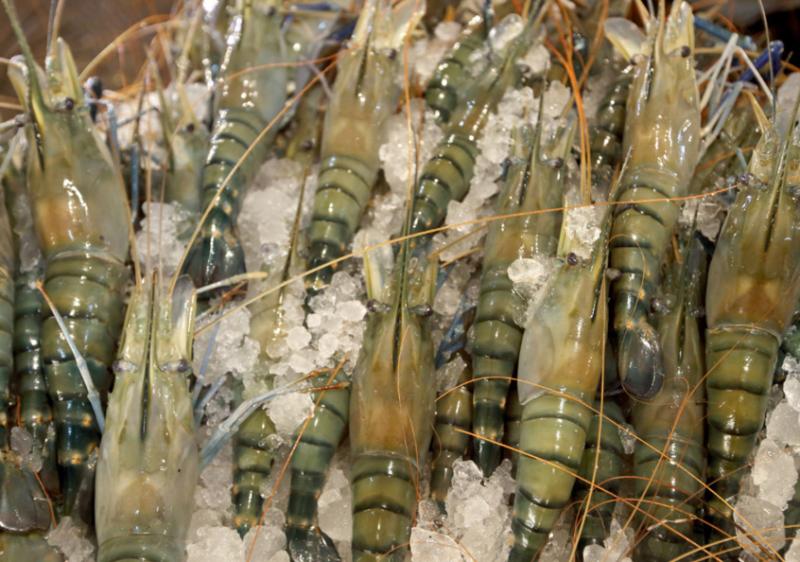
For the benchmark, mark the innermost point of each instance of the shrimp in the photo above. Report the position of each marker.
(365, 94)
(453, 73)
(149, 460)
(608, 128)
(454, 406)
(446, 176)
(671, 423)
(560, 366)
(610, 462)
(248, 102)
(80, 212)
(392, 381)
(23, 507)
(309, 464)
(453, 413)
(35, 408)
(661, 148)
(254, 455)
(754, 272)
(535, 182)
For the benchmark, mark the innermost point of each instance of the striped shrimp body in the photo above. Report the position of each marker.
(149, 460)
(755, 271)
(248, 101)
(391, 408)
(453, 413)
(36, 412)
(608, 128)
(79, 209)
(309, 465)
(453, 73)
(447, 175)
(24, 506)
(560, 366)
(671, 423)
(365, 94)
(609, 461)
(535, 182)
(661, 147)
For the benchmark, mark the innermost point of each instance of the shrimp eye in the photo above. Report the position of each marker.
(69, 104)
(95, 86)
(190, 128)
(572, 258)
(557, 163)
(393, 54)
(307, 144)
(686, 51)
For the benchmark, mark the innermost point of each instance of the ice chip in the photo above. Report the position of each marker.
(289, 411)
(430, 546)
(757, 515)
(212, 544)
(774, 474)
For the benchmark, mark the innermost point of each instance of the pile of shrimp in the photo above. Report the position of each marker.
(460, 281)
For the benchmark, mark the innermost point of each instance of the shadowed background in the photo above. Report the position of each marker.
(89, 25)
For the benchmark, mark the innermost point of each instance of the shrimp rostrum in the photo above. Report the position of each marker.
(392, 381)
(753, 285)
(79, 211)
(149, 459)
(661, 144)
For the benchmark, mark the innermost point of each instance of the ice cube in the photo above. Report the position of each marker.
(213, 544)
(335, 505)
(478, 513)
(289, 411)
(298, 338)
(783, 425)
(754, 515)
(430, 546)
(72, 540)
(774, 474)
(265, 541)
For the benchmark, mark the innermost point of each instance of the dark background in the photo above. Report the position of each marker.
(89, 25)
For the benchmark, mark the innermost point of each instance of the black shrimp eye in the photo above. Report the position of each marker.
(572, 258)
(557, 163)
(393, 54)
(686, 51)
(307, 144)
(190, 128)
(69, 104)
(95, 85)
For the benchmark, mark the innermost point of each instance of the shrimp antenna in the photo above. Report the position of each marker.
(769, 56)
(54, 23)
(91, 391)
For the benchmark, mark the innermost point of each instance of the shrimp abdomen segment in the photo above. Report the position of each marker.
(553, 430)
